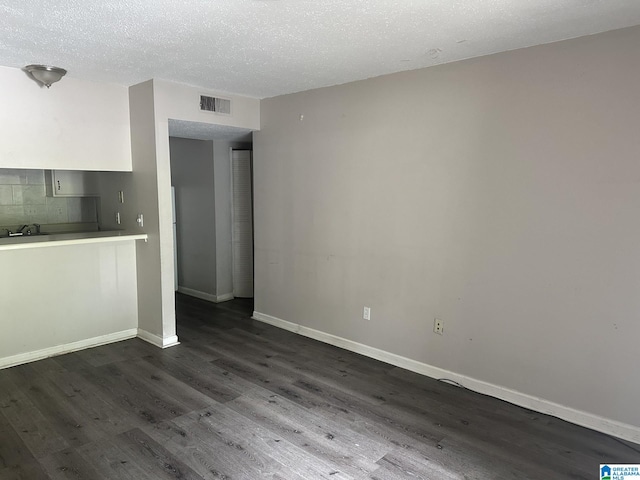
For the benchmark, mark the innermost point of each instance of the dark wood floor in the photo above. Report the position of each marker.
(242, 400)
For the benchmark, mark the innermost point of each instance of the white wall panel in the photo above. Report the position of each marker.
(74, 125)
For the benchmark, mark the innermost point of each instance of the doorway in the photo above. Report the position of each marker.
(201, 171)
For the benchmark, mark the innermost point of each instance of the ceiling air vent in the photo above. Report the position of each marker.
(215, 104)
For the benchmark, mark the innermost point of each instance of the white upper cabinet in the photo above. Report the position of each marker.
(71, 183)
(74, 125)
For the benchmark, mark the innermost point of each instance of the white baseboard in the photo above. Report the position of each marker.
(67, 348)
(157, 340)
(198, 294)
(585, 419)
(205, 296)
(225, 297)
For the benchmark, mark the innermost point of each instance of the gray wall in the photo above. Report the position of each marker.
(500, 194)
(156, 309)
(193, 179)
(109, 184)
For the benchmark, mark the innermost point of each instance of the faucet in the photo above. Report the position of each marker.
(37, 225)
(18, 232)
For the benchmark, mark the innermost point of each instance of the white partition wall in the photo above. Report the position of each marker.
(63, 298)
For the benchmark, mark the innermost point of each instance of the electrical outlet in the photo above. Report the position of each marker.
(366, 313)
(438, 326)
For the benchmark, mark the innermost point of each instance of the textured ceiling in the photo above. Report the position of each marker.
(263, 48)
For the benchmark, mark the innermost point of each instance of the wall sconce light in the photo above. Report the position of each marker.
(46, 74)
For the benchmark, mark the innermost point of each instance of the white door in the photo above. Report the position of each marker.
(242, 223)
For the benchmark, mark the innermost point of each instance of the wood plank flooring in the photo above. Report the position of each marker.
(238, 399)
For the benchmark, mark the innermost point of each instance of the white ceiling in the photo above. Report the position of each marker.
(263, 48)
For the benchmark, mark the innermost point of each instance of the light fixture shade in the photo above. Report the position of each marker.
(46, 74)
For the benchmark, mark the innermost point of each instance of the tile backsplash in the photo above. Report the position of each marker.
(23, 199)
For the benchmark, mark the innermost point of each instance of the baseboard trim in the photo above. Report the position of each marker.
(67, 348)
(198, 294)
(578, 417)
(225, 297)
(205, 296)
(157, 340)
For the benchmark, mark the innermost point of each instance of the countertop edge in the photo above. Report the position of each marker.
(62, 239)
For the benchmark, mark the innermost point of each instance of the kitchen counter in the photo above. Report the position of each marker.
(60, 239)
